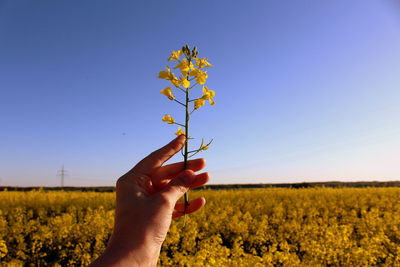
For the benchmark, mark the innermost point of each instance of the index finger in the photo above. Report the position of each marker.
(169, 171)
(153, 161)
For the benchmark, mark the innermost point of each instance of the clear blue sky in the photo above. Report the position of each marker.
(305, 90)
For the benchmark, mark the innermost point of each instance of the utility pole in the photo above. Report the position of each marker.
(62, 173)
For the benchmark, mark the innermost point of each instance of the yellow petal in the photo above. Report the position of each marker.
(201, 78)
(166, 74)
(202, 62)
(182, 64)
(180, 132)
(185, 67)
(168, 118)
(185, 83)
(175, 82)
(198, 103)
(212, 93)
(194, 72)
(163, 74)
(200, 75)
(175, 55)
(168, 92)
(206, 96)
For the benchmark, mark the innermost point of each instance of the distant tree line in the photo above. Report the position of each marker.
(333, 184)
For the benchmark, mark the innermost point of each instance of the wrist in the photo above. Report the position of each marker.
(117, 257)
(120, 254)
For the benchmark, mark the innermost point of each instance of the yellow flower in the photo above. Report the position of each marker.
(200, 76)
(199, 103)
(208, 95)
(168, 92)
(184, 66)
(175, 82)
(180, 132)
(166, 74)
(202, 62)
(185, 83)
(169, 76)
(168, 118)
(175, 55)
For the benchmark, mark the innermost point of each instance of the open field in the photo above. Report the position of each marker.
(246, 227)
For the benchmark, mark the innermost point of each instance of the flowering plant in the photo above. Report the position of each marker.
(192, 73)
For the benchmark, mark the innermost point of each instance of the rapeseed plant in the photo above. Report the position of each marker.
(192, 73)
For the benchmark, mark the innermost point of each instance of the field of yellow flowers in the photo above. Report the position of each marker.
(253, 227)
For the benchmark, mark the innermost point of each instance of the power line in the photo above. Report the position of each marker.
(62, 173)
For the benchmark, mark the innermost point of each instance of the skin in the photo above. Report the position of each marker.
(146, 203)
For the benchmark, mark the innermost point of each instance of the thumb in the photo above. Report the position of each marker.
(178, 186)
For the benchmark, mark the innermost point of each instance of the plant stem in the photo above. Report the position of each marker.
(179, 124)
(185, 158)
(179, 102)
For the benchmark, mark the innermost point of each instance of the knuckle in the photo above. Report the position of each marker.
(120, 181)
(121, 184)
(180, 189)
(164, 200)
(174, 147)
(155, 157)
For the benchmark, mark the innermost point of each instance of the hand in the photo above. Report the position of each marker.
(146, 203)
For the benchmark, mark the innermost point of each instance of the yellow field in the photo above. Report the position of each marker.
(263, 227)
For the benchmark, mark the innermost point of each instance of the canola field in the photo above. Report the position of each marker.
(259, 227)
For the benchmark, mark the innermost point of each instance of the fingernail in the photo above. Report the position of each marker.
(181, 137)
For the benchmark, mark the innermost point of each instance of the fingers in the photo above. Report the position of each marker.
(194, 205)
(153, 161)
(178, 186)
(168, 172)
(200, 180)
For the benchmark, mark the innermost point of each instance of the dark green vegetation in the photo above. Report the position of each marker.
(332, 184)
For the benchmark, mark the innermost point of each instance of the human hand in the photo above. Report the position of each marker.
(146, 203)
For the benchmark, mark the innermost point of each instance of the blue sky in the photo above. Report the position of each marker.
(305, 90)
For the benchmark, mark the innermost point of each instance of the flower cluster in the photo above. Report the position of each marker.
(191, 70)
(192, 73)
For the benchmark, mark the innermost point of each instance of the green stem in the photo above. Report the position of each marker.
(179, 124)
(191, 100)
(179, 102)
(192, 85)
(186, 196)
